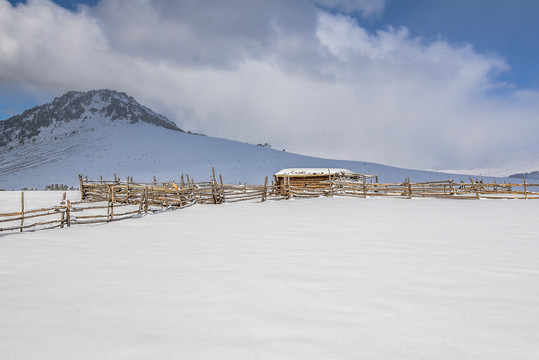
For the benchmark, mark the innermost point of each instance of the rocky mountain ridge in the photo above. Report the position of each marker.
(104, 105)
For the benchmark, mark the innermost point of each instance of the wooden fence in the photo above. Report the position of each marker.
(65, 214)
(407, 189)
(170, 194)
(105, 201)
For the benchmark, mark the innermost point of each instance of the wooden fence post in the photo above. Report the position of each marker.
(109, 205)
(474, 187)
(265, 193)
(127, 191)
(404, 188)
(331, 185)
(62, 218)
(180, 199)
(146, 199)
(409, 188)
(192, 190)
(213, 187)
(68, 213)
(22, 209)
(111, 210)
(222, 189)
(62, 213)
(364, 187)
(289, 190)
(525, 192)
(81, 188)
(451, 187)
(178, 189)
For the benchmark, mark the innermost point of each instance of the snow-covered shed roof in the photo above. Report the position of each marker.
(313, 172)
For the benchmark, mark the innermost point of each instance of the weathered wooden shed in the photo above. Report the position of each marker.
(314, 178)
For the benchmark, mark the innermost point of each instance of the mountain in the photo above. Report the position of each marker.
(77, 106)
(104, 132)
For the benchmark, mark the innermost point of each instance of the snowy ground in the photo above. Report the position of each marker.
(325, 278)
(10, 201)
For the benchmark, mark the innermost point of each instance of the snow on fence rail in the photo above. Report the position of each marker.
(105, 201)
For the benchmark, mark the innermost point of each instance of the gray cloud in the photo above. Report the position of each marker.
(217, 33)
(283, 72)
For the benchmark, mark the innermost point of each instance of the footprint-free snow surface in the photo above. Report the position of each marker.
(327, 278)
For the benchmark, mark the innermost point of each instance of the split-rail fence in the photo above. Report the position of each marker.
(105, 201)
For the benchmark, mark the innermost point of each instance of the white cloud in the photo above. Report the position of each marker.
(289, 74)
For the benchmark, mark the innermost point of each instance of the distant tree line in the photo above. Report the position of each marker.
(59, 187)
(531, 175)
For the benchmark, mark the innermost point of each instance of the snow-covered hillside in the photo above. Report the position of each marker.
(104, 133)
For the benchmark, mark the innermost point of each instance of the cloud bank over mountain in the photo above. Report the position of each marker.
(303, 75)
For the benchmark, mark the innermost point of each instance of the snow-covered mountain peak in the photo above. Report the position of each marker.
(76, 111)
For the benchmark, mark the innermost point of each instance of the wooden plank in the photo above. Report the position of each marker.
(26, 216)
(31, 225)
(89, 222)
(88, 217)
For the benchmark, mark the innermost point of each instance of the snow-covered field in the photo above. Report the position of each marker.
(326, 278)
(10, 201)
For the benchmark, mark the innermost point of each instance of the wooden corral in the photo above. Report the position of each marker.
(170, 194)
(105, 201)
(315, 178)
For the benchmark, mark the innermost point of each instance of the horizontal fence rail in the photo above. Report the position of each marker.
(104, 201)
(407, 189)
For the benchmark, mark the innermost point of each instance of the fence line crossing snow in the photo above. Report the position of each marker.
(104, 201)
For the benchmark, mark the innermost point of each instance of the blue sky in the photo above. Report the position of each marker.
(504, 27)
(437, 74)
(68, 4)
